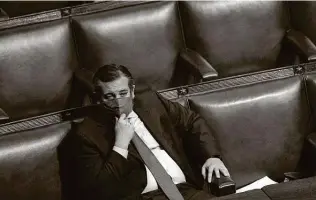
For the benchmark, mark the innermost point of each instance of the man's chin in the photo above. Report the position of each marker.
(119, 112)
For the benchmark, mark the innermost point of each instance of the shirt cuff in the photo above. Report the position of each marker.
(121, 151)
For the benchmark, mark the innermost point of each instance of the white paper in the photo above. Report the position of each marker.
(257, 184)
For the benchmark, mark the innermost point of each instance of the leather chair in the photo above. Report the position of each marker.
(146, 38)
(264, 126)
(239, 109)
(238, 37)
(261, 128)
(29, 163)
(36, 67)
(303, 189)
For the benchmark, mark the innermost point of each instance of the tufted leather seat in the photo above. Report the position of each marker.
(36, 66)
(29, 163)
(238, 37)
(260, 128)
(146, 38)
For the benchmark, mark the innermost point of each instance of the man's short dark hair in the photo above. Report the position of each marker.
(111, 72)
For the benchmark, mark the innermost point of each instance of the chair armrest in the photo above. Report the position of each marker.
(3, 15)
(3, 116)
(221, 186)
(303, 43)
(312, 140)
(197, 63)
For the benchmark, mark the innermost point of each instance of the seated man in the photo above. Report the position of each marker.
(138, 151)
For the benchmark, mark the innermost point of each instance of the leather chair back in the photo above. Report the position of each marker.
(29, 163)
(260, 128)
(303, 17)
(236, 37)
(146, 38)
(36, 65)
(311, 92)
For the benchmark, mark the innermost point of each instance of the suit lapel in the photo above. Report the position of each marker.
(153, 118)
(151, 121)
(151, 112)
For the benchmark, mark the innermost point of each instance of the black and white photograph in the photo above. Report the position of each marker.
(158, 100)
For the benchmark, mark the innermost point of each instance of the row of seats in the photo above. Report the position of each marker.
(262, 115)
(165, 44)
(264, 124)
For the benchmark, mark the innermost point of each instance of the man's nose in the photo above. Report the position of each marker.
(117, 102)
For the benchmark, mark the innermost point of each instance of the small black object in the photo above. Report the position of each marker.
(290, 176)
(222, 186)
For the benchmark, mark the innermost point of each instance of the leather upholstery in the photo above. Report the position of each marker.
(260, 128)
(303, 17)
(199, 63)
(36, 64)
(304, 44)
(304, 189)
(250, 195)
(311, 91)
(235, 37)
(146, 39)
(29, 164)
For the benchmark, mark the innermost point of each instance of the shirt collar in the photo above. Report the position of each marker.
(132, 115)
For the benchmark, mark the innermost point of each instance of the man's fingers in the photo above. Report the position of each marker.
(217, 173)
(122, 117)
(224, 171)
(210, 174)
(204, 171)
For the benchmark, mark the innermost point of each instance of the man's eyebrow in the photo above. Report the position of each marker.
(125, 90)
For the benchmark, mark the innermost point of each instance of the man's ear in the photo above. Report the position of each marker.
(133, 91)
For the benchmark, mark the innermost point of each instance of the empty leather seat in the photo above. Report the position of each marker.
(238, 37)
(146, 38)
(36, 67)
(29, 163)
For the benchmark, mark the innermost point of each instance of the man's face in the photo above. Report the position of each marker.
(116, 95)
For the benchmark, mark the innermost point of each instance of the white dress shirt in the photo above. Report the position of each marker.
(166, 161)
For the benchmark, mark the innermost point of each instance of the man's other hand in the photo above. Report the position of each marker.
(124, 132)
(211, 165)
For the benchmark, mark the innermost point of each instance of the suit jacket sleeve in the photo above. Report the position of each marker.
(99, 174)
(194, 126)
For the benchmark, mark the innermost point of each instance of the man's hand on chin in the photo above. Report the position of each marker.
(214, 164)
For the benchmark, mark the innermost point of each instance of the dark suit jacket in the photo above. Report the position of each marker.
(101, 173)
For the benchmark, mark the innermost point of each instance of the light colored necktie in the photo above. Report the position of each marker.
(160, 174)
